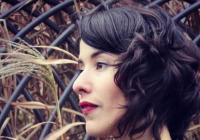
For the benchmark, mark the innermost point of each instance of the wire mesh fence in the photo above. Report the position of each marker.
(54, 22)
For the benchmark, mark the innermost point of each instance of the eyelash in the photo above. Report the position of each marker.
(98, 66)
(79, 67)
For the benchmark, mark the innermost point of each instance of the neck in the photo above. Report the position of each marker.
(165, 134)
(147, 135)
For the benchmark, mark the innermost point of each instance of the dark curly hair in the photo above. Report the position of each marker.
(158, 70)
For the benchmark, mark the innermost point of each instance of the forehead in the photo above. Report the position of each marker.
(87, 51)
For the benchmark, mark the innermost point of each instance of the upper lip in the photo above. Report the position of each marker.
(86, 103)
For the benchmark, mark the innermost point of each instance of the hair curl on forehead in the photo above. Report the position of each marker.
(157, 71)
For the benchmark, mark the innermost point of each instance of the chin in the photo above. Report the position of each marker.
(98, 132)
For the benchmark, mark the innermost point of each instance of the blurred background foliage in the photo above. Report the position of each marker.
(15, 17)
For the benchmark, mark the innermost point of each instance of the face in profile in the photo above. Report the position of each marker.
(101, 101)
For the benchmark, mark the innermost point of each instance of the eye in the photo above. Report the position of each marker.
(101, 65)
(80, 66)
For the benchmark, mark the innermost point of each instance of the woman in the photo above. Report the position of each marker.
(140, 75)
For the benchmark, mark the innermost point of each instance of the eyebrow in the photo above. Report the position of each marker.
(93, 55)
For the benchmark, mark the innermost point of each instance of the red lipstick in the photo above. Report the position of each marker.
(87, 107)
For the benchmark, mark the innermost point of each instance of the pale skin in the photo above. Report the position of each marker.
(96, 85)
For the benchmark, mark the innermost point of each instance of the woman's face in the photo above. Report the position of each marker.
(101, 101)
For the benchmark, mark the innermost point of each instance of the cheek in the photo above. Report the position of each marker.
(114, 95)
(114, 102)
(109, 92)
(115, 105)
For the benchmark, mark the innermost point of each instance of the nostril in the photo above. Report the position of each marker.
(81, 92)
(81, 88)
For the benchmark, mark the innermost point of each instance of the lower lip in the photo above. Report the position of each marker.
(88, 110)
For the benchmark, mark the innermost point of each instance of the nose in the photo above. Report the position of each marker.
(82, 85)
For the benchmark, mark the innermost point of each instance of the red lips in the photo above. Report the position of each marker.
(87, 107)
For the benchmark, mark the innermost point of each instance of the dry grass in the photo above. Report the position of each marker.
(26, 60)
